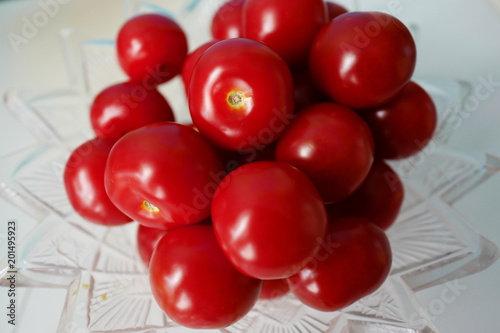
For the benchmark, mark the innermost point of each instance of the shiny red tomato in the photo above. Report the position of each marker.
(332, 145)
(288, 27)
(151, 49)
(123, 107)
(190, 62)
(272, 289)
(405, 125)
(147, 238)
(194, 283)
(241, 94)
(363, 59)
(357, 261)
(378, 199)
(226, 22)
(269, 219)
(163, 175)
(334, 10)
(84, 183)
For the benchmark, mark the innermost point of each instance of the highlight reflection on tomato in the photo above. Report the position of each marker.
(269, 219)
(151, 48)
(194, 283)
(363, 59)
(123, 107)
(241, 94)
(332, 145)
(405, 125)
(84, 183)
(287, 27)
(226, 22)
(163, 175)
(359, 262)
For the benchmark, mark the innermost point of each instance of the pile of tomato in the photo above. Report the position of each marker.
(280, 184)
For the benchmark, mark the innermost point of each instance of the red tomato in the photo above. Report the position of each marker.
(272, 289)
(84, 183)
(378, 199)
(147, 238)
(288, 27)
(123, 107)
(332, 145)
(305, 91)
(355, 262)
(195, 284)
(269, 219)
(363, 59)
(226, 22)
(241, 94)
(163, 175)
(405, 125)
(334, 10)
(190, 62)
(151, 49)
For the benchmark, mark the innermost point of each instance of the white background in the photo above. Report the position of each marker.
(457, 39)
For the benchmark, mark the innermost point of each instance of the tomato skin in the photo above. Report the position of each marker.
(194, 283)
(332, 145)
(190, 62)
(405, 125)
(287, 27)
(241, 94)
(334, 10)
(272, 289)
(151, 48)
(257, 235)
(226, 22)
(378, 199)
(363, 59)
(84, 183)
(167, 165)
(147, 238)
(123, 107)
(358, 263)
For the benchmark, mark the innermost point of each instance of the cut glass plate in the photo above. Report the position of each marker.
(106, 285)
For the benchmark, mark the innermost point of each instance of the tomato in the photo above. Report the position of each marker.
(190, 62)
(84, 183)
(151, 49)
(306, 92)
(332, 145)
(123, 107)
(334, 10)
(405, 125)
(269, 219)
(241, 94)
(226, 22)
(272, 289)
(194, 283)
(288, 27)
(147, 238)
(363, 59)
(378, 199)
(163, 175)
(354, 263)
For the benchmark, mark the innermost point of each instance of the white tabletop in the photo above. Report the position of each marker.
(457, 39)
